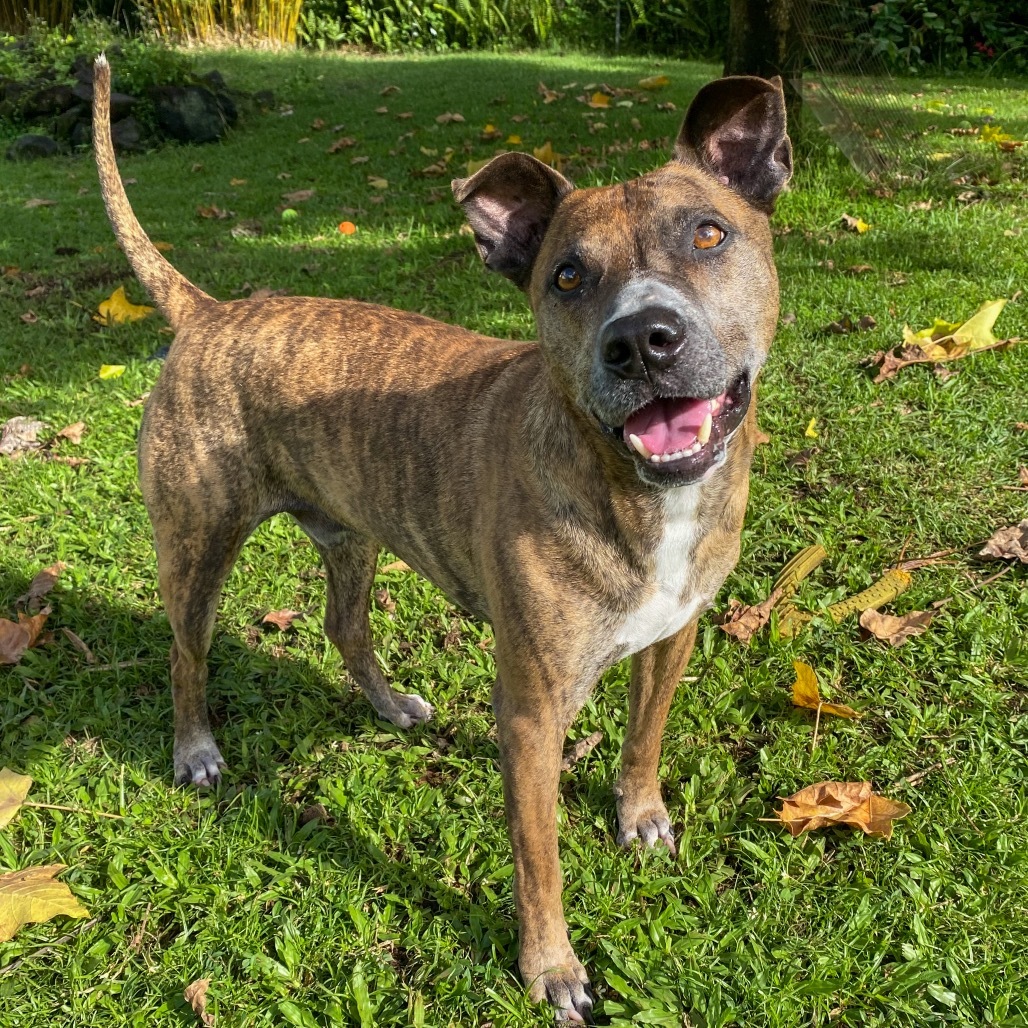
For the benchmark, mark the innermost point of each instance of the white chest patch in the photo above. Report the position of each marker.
(667, 608)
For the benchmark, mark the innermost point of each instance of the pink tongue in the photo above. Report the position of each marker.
(665, 426)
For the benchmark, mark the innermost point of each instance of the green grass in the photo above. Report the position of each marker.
(398, 910)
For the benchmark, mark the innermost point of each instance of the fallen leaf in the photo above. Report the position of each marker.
(195, 994)
(341, 144)
(212, 211)
(298, 195)
(811, 429)
(111, 371)
(381, 110)
(30, 317)
(667, 107)
(317, 124)
(281, 619)
(577, 750)
(359, 160)
(742, 622)
(385, 601)
(347, 228)
(162, 246)
(859, 269)
(13, 790)
(840, 803)
(519, 118)
(117, 309)
(490, 134)
(19, 435)
(474, 166)
(854, 224)
(378, 183)
(513, 140)
(396, 565)
(79, 645)
(654, 82)
(16, 638)
(32, 896)
(599, 100)
(805, 693)
(73, 433)
(237, 181)
(1022, 476)
(548, 95)
(250, 228)
(1008, 543)
(545, 153)
(389, 90)
(895, 630)
(44, 581)
(445, 119)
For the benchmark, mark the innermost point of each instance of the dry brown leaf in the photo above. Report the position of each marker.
(19, 435)
(895, 630)
(548, 95)
(73, 433)
(805, 693)
(195, 994)
(445, 119)
(396, 565)
(41, 585)
(840, 803)
(212, 211)
(16, 638)
(389, 90)
(854, 224)
(79, 645)
(298, 195)
(385, 601)
(576, 751)
(281, 619)
(1022, 475)
(742, 622)
(37, 202)
(32, 896)
(13, 790)
(341, 144)
(1008, 543)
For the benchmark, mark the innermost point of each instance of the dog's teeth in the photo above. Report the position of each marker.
(654, 458)
(703, 435)
(640, 447)
(715, 406)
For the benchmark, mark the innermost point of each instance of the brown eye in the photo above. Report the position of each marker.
(568, 278)
(707, 235)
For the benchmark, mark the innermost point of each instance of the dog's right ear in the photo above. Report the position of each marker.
(509, 204)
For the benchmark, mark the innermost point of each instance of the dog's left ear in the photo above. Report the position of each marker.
(735, 129)
(509, 204)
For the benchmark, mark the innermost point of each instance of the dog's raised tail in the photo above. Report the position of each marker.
(173, 293)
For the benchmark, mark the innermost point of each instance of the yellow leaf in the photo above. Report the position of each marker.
(654, 82)
(117, 309)
(976, 332)
(811, 432)
(13, 790)
(514, 140)
(599, 100)
(546, 154)
(163, 247)
(32, 896)
(994, 134)
(840, 803)
(854, 224)
(378, 183)
(112, 370)
(805, 693)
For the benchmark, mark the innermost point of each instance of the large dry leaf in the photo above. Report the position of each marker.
(742, 622)
(896, 630)
(15, 639)
(1008, 543)
(281, 619)
(73, 433)
(32, 896)
(44, 581)
(117, 309)
(805, 693)
(944, 341)
(195, 994)
(20, 434)
(840, 803)
(13, 790)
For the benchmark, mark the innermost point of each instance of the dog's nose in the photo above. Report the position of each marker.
(643, 343)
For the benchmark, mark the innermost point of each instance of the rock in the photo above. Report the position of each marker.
(64, 124)
(82, 133)
(193, 114)
(26, 148)
(47, 101)
(127, 134)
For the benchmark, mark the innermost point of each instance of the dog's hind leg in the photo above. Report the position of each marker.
(194, 557)
(350, 560)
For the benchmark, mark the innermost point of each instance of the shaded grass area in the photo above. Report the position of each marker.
(397, 909)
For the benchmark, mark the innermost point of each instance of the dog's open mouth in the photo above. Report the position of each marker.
(683, 437)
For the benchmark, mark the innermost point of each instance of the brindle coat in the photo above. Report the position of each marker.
(483, 463)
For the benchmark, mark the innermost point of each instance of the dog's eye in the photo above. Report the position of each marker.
(706, 236)
(568, 278)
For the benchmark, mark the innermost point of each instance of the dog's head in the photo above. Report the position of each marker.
(656, 300)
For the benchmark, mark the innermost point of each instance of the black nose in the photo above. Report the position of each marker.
(644, 343)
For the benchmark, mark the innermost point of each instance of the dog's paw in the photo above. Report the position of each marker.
(648, 822)
(405, 709)
(198, 763)
(566, 989)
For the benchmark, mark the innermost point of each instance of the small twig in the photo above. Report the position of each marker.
(121, 665)
(1015, 488)
(578, 750)
(991, 579)
(73, 810)
(8, 968)
(817, 724)
(919, 776)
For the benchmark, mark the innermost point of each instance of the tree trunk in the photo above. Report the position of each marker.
(765, 38)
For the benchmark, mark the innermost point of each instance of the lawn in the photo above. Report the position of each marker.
(393, 906)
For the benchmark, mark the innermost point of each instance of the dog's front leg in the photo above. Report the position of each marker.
(656, 672)
(531, 729)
